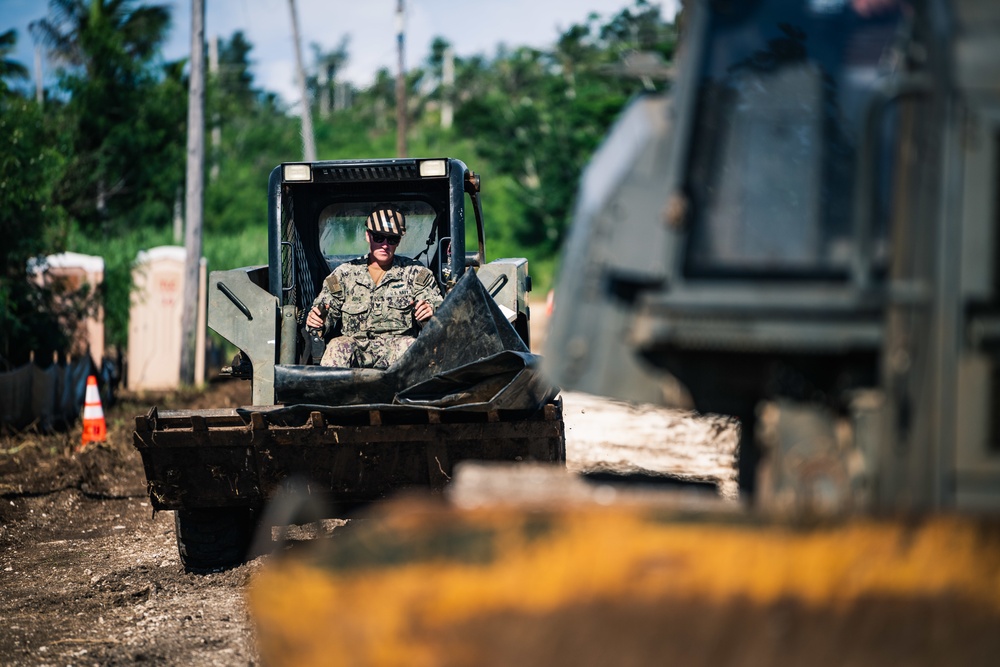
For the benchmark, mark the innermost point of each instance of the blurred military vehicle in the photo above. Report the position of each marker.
(804, 234)
(466, 388)
(801, 234)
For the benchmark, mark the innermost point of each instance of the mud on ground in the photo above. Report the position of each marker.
(89, 575)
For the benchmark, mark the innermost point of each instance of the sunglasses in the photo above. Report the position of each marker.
(391, 239)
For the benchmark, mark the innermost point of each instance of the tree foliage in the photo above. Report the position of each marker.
(538, 115)
(124, 117)
(30, 225)
(105, 158)
(9, 68)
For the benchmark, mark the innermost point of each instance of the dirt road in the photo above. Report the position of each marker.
(90, 576)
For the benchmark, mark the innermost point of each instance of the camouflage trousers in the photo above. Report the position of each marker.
(350, 352)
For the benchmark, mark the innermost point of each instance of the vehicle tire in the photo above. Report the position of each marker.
(213, 539)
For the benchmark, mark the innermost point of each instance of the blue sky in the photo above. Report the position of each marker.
(472, 27)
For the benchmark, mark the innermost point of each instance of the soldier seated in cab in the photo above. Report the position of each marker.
(381, 300)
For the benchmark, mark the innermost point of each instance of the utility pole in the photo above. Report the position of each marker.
(213, 70)
(194, 194)
(400, 85)
(308, 140)
(323, 86)
(448, 88)
(39, 90)
(179, 215)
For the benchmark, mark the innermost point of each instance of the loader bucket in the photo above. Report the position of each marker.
(467, 354)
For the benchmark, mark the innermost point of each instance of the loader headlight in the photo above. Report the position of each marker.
(298, 172)
(432, 168)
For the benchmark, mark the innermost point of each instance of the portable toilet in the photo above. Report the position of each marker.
(154, 335)
(76, 271)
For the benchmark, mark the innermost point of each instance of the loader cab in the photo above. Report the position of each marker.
(317, 217)
(341, 231)
(316, 214)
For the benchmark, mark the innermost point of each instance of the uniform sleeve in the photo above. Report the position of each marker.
(425, 288)
(331, 297)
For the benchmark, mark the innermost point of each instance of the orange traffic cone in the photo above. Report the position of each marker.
(95, 429)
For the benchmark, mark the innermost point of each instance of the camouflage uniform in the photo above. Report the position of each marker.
(378, 323)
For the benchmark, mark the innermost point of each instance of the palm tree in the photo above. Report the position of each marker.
(96, 34)
(328, 65)
(235, 80)
(9, 69)
(106, 48)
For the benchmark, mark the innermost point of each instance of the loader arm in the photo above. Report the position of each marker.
(243, 312)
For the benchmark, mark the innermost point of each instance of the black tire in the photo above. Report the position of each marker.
(209, 540)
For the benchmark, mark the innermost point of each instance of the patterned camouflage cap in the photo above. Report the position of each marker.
(387, 220)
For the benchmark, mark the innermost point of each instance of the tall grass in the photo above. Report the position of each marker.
(229, 251)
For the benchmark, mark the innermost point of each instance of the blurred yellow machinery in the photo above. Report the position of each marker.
(421, 583)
